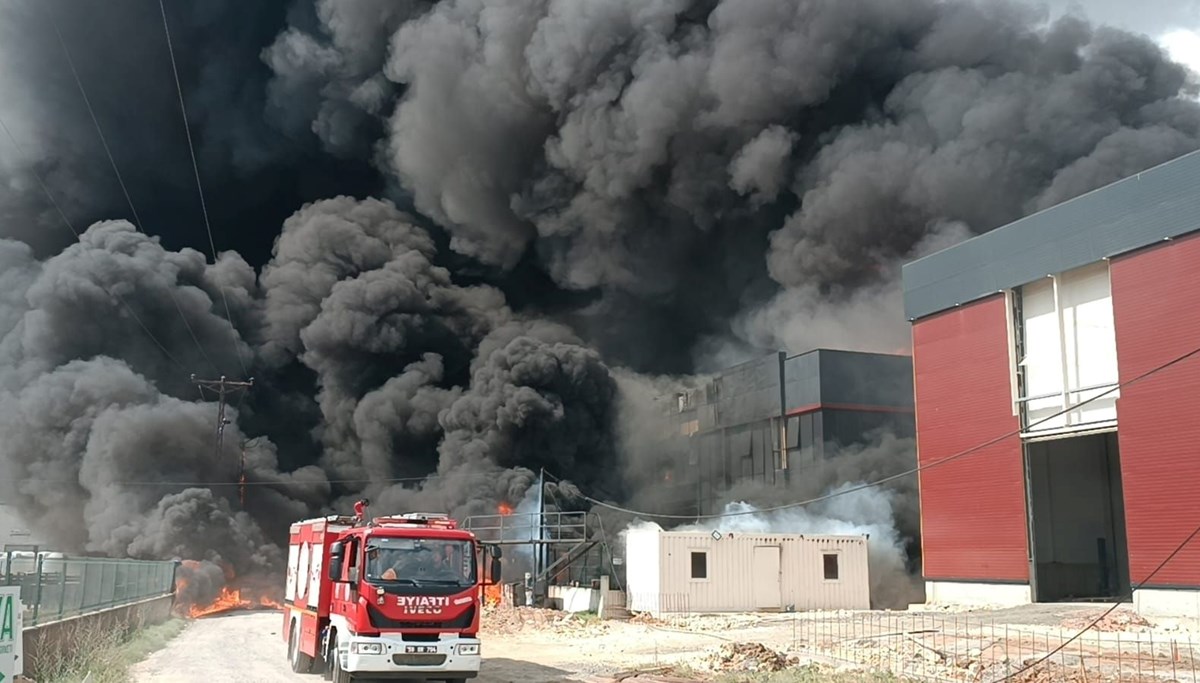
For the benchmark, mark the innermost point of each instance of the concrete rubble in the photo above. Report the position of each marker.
(510, 620)
(749, 657)
(1119, 620)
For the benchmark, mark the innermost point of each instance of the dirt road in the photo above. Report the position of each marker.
(542, 646)
(247, 648)
(520, 646)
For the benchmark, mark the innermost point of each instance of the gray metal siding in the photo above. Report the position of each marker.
(738, 431)
(1157, 204)
(865, 379)
(844, 428)
(746, 393)
(802, 380)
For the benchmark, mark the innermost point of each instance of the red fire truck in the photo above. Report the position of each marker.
(389, 598)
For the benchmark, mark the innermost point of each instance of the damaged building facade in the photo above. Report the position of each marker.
(771, 419)
(1043, 354)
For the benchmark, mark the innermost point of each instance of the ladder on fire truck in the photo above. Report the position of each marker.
(565, 539)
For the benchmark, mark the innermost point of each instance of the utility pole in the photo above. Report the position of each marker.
(539, 549)
(242, 478)
(223, 388)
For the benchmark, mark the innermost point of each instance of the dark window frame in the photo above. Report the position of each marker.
(836, 572)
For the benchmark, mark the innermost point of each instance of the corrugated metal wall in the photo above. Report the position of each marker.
(739, 413)
(742, 573)
(865, 379)
(972, 509)
(1156, 304)
(1133, 212)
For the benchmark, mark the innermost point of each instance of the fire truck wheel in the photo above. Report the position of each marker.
(301, 663)
(340, 675)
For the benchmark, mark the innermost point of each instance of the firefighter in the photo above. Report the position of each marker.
(375, 561)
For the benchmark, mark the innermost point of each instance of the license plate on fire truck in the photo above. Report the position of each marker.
(420, 649)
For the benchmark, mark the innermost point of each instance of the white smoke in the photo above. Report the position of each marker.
(870, 512)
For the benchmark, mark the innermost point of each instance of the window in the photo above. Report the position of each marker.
(831, 566)
(699, 565)
(417, 561)
(1066, 351)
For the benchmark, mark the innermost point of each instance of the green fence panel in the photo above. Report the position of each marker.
(54, 586)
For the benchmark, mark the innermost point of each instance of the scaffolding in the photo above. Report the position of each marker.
(566, 548)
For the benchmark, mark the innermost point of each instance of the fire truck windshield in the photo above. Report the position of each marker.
(420, 561)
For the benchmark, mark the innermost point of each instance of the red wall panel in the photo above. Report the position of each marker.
(973, 520)
(1156, 310)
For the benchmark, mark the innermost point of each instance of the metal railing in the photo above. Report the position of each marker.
(56, 587)
(522, 527)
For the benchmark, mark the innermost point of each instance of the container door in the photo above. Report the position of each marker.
(767, 593)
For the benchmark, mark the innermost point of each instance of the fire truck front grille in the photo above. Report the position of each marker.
(419, 660)
(380, 620)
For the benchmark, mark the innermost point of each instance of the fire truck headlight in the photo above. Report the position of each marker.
(367, 648)
(468, 649)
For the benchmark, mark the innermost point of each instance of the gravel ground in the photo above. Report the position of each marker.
(539, 646)
(247, 648)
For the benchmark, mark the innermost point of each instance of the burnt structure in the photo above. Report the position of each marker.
(814, 404)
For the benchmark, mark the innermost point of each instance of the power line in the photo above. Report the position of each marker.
(223, 387)
(199, 186)
(120, 180)
(900, 475)
(376, 480)
(78, 237)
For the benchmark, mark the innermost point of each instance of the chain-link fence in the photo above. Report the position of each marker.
(54, 586)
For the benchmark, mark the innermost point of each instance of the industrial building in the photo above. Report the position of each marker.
(1074, 472)
(702, 572)
(815, 403)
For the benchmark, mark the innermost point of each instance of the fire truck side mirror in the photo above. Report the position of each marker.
(495, 569)
(336, 557)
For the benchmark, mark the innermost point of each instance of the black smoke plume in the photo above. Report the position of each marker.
(454, 236)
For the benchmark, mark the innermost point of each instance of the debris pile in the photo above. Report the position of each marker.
(1119, 620)
(749, 657)
(711, 623)
(509, 620)
(646, 618)
(1054, 673)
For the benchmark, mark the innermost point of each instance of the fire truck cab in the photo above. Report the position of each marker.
(392, 598)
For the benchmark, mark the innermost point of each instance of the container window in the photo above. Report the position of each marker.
(699, 565)
(831, 566)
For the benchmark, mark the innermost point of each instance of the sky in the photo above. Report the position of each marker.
(1175, 24)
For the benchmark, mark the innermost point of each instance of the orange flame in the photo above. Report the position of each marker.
(492, 595)
(229, 600)
(504, 509)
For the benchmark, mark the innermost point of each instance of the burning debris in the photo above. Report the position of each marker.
(205, 589)
(231, 600)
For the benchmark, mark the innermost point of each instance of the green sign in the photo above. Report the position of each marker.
(6, 619)
(11, 662)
